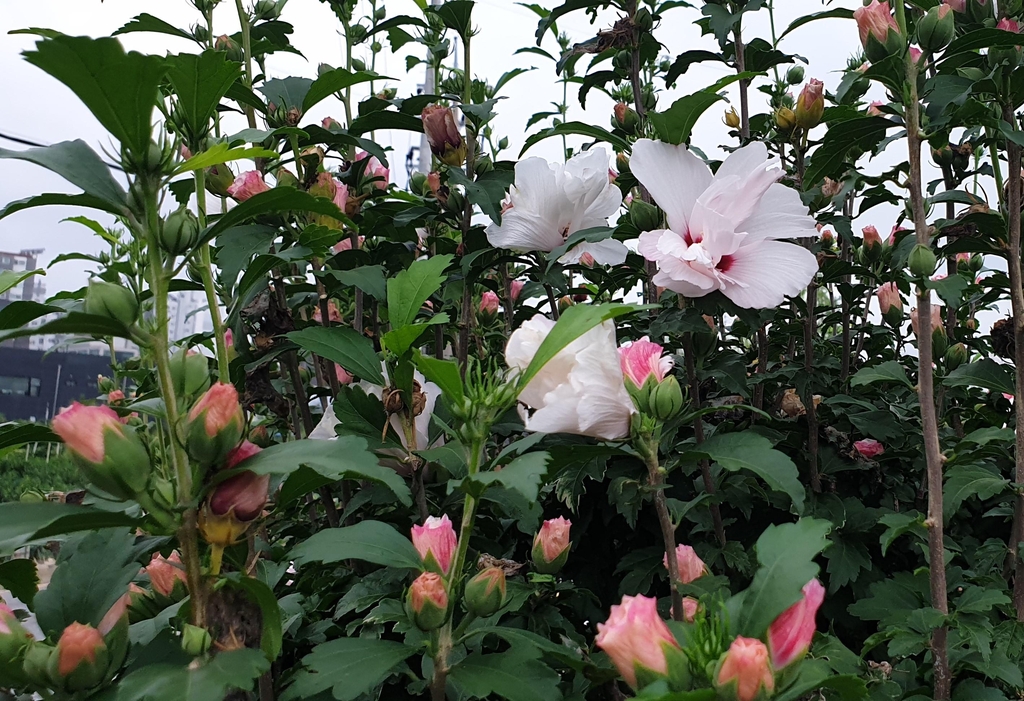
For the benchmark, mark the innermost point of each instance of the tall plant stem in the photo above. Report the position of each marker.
(741, 67)
(243, 20)
(810, 326)
(656, 480)
(1013, 261)
(188, 532)
(466, 320)
(206, 271)
(698, 431)
(926, 394)
(846, 254)
(444, 638)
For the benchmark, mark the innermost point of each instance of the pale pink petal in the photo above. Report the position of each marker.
(674, 177)
(764, 274)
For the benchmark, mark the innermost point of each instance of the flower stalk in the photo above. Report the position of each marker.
(926, 389)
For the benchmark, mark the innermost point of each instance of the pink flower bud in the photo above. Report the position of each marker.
(873, 110)
(957, 5)
(374, 170)
(8, 620)
(1008, 25)
(871, 237)
(485, 592)
(330, 123)
(229, 338)
(889, 298)
(79, 645)
(789, 636)
(436, 543)
(234, 504)
(239, 454)
(915, 54)
(642, 360)
(810, 105)
(551, 545)
(324, 186)
(247, 184)
(690, 608)
(691, 567)
(587, 260)
(517, 287)
(744, 669)
(215, 424)
(340, 198)
(346, 245)
(165, 572)
(869, 448)
(875, 21)
(82, 427)
(343, 375)
(635, 636)
(443, 135)
(963, 258)
(428, 600)
(185, 152)
(489, 304)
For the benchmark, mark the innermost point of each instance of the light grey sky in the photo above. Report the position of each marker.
(48, 112)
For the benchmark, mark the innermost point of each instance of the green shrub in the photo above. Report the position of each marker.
(19, 474)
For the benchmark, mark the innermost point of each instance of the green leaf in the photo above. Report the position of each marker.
(515, 675)
(980, 600)
(456, 15)
(11, 278)
(286, 93)
(237, 246)
(345, 458)
(349, 666)
(224, 672)
(278, 199)
(548, 18)
(443, 373)
(333, 81)
(59, 198)
(22, 523)
(569, 656)
(591, 235)
(371, 541)
(816, 674)
(148, 23)
(368, 278)
(862, 134)
(951, 289)
(889, 371)
(120, 89)
(964, 481)
(15, 433)
(985, 373)
(93, 572)
(525, 475)
(753, 452)
(220, 153)
(688, 58)
(675, 124)
(580, 129)
(898, 524)
(76, 162)
(408, 290)
(573, 323)
(980, 39)
(344, 346)
(400, 340)
(487, 191)
(838, 13)
(385, 119)
(786, 555)
(200, 81)
(20, 578)
(75, 323)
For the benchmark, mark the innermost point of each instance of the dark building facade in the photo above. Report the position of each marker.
(35, 385)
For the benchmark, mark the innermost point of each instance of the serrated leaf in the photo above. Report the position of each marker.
(22, 523)
(965, 481)
(753, 452)
(200, 81)
(371, 541)
(516, 675)
(220, 153)
(408, 290)
(333, 81)
(344, 346)
(889, 371)
(76, 162)
(20, 578)
(443, 373)
(120, 89)
(525, 475)
(675, 124)
(349, 666)
(985, 373)
(224, 672)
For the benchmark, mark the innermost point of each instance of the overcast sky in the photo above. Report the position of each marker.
(47, 112)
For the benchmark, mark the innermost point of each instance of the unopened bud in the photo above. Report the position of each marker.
(180, 232)
(795, 75)
(551, 545)
(112, 301)
(731, 119)
(666, 399)
(485, 593)
(785, 119)
(428, 601)
(936, 29)
(645, 217)
(921, 261)
(215, 424)
(955, 356)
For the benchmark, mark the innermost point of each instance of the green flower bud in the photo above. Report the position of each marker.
(936, 29)
(485, 593)
(940, 342)
(666, 399)
(215, 424)
(795, 75)
(80, 660)
(180, 232)
(427, 601)
(955, 356)
(112, 301)
(195, 640)
(645, 217)
(921, 261)
(15, 642)
(218, 179)
(190, 373)
(625, 118)
(643, 20)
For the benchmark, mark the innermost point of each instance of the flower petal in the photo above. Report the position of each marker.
(762, 275)
(780, 215)
(525, 230)
(607, 252)
(674, 177)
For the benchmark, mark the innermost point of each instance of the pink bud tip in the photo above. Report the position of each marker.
(240, 453)
(247, 184)
(436, 537)
(82, 427)
(691, 567)
(164, 572)
(553, 537)
(746, 663)
(789, 636)
(635, 634)
(869, 448)
(643, 359)
(429, 586)
(78, 643)
(221, 406)
(489, 303)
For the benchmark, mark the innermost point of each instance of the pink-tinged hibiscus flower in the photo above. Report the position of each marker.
(724, 229)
